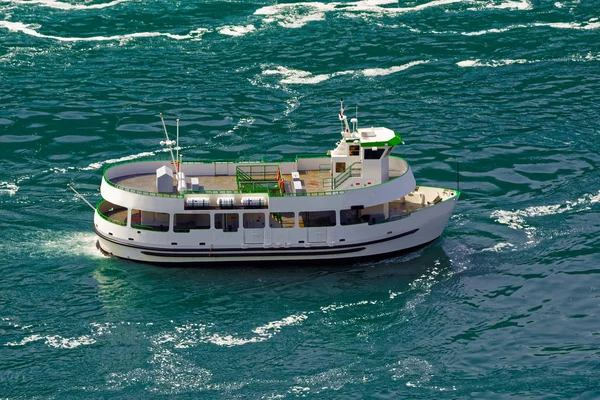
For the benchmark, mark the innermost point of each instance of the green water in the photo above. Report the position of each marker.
(503, 305)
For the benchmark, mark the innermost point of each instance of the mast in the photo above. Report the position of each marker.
(343, 118)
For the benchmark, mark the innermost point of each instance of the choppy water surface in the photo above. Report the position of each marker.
(504, 305)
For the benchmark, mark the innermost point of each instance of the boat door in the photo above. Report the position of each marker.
(254, 227)
(317, 235)
(221, 168)
(254, 236)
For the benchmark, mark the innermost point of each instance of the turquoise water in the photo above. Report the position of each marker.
(503, 305)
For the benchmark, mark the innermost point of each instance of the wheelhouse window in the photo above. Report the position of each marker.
(149, 220)
(282, 220)
(229, 222)
(354, 150)
(187, 222)
(314, 219)
(254, 220)
(371, 154)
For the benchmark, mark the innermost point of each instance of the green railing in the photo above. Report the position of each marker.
(308, 194)
(351, 171)
(258, 178)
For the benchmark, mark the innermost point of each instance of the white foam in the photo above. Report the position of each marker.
(493, 63)
(8, 188)
(67, 6)
(300, 77)
(499, 247)
(236, 30)
(522, 5)
(435, 3)
(78, 243)
(98, 165)
(584, 26)
(391, 70)
(28, 339)
(295, 15)
(518, 219)
(494, 30)
(592, 24)
(29, 30)
(296, 76)
(336, 306)
(191, 334)
(60, 342)
(56, 341)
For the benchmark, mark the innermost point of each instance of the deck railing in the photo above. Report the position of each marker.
(177, 195)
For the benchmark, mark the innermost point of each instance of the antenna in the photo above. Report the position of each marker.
(343, 118)
(177, 148)
(167, 142)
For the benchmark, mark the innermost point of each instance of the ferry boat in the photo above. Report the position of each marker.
(357, 201)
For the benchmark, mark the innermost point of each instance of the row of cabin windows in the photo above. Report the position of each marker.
(230, 222)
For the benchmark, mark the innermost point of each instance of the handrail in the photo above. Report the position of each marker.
(345, 174)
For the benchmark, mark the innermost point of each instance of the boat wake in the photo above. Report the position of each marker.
(518, 219)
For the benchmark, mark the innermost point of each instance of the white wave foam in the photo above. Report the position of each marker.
(296, 15)
(499, 247)
(236, 30)
(493, 30)
(296, 76)
(79, 244)
(592, 24)
(391, 70)
(493, 63)
(336, 306)
(522, 5)
(191, 334)
(56, 341)
(67, 6)
(299, 77)
(517, 219)
(98, 165)
(581, 26)
(29, 30)
(8, 188)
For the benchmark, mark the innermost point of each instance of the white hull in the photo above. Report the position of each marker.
(343, 242)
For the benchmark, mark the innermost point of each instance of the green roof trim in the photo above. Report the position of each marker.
(392, 142)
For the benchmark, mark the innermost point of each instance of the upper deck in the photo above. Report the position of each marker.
(134, 183)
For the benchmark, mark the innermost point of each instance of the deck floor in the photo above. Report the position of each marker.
(312, 181)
